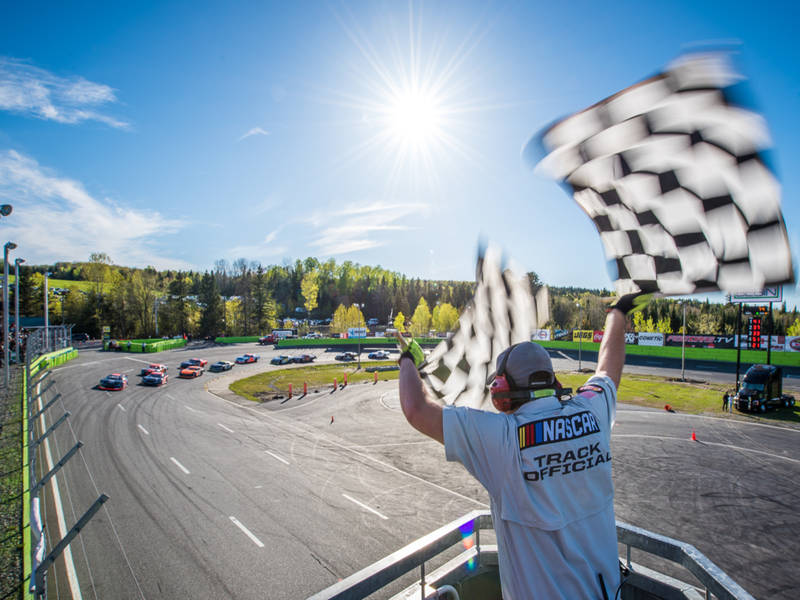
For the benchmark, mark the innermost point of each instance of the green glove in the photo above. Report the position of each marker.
(630, 302)
(410, 349)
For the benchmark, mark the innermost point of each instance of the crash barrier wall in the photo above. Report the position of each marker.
(42, 363)
(241, 339)
(155, 345)
(465, 533)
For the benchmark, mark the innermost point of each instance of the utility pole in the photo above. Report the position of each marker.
(683, 345)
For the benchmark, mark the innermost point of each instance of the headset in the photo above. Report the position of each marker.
(507, 395)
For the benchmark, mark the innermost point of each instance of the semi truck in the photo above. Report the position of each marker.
(762, 389)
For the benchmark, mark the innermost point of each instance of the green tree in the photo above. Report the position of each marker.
(445, 317)
(794, 328)
(212, 309)
(421, 319)
(339, 320)
(400, 322)
(355, 318)
(309, 287)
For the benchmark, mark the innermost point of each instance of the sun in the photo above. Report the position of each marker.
(416, 99)
(415, 118)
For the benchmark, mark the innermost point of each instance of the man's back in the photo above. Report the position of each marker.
(547, 468)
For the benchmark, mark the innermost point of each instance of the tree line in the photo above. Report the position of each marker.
(248, 298)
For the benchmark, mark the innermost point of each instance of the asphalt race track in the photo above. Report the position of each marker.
(215, 497)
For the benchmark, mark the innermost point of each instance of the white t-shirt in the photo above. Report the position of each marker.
(547, 468)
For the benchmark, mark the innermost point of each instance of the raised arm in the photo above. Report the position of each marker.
(420, 411)
(611, 357)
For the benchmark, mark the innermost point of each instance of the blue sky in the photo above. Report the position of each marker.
(176, 134)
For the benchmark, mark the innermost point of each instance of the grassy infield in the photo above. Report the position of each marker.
(643, 390)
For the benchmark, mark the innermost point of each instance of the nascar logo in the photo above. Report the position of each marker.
(557, 429)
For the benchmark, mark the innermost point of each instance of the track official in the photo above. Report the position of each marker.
(546, 463)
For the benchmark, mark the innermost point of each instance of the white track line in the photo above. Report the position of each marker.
(143, 429)
(122, 408)
(190, 408)
(364, 506)
(180, 466)
(147, 362)
(247, 532)
(170, 397)
(298, 431)
(275, 456)
(72, 576)
(228, 429)
(744, 450)
(726, 419)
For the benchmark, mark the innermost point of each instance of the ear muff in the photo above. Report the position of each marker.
(501, 393)
(503, 384)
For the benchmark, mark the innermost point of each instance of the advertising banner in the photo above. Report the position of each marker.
(540, 335)
(582, 335)
(792, 343)
(561, 334)
(645, 338)
(630, 337)
(357, 332)
(701, 341)
(598, 336)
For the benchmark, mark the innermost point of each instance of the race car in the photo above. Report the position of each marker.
(378, 355)
(155, 378)
(194, 362)
(113, 383)
(221, 365)
(190, 372)
(247, 358)
(280, 360)
(346, 356)
(152, 368)
(303, 358)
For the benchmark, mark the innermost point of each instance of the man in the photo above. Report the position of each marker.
(545, 463)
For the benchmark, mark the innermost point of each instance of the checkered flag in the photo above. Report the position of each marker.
(502, 312)
(672, 171)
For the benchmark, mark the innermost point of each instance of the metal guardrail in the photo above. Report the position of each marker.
(385, 571)
(714, 579)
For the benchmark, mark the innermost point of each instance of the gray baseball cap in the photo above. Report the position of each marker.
(528, 365)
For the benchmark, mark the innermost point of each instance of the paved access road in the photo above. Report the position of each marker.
(212, 497)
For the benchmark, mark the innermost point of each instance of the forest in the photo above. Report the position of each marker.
(248, 298)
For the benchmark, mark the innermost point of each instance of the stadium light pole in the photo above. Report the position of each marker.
(8, 246)
(17, 263)
(580, 335)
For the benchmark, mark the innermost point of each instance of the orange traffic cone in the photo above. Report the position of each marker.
(694, 437)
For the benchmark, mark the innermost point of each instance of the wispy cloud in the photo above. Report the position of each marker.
(263, 250)
(254, 131)
(357, 224)
(32, 91)
(55, 218)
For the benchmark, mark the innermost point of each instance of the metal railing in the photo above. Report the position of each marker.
(416, 554)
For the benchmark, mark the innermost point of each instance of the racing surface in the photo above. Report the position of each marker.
(215, 497)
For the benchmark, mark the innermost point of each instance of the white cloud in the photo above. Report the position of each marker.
(35, 92)
(254, 131)
(55, 218)
(260, 251)
(355, 225)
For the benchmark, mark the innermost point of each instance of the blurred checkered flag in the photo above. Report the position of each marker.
(672, 171)
(502, 312)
